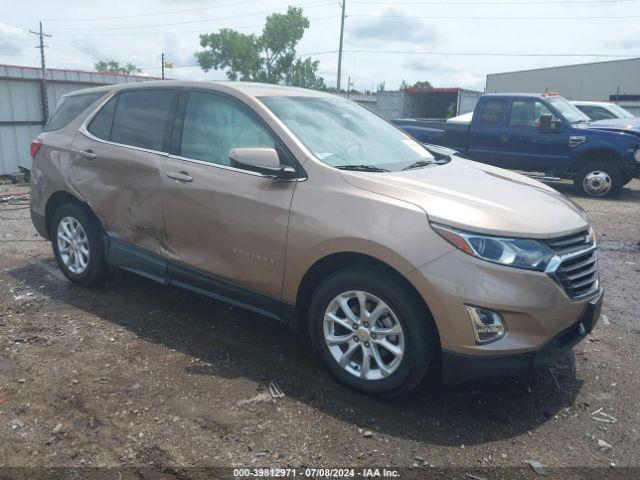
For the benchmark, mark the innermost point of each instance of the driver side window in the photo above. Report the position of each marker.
(214, 125)
(527, 113)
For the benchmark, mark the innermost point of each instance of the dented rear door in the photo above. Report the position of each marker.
(117, 163)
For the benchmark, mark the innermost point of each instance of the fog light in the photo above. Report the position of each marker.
(487, 324)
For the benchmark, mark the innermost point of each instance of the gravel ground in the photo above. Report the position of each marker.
(147, 381)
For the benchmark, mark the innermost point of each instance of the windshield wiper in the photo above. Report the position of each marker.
(424, 163)
(361, 168)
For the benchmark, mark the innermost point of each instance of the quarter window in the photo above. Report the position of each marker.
(141, 118)
(101, 124)
(491, 111)
(69, 108)
(213, 125)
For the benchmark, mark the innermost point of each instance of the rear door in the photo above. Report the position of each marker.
(486, 143)
(527, 148)
(118, 161)
(226, 227)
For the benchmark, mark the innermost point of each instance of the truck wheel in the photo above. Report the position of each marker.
(599, 179)
(373, 335)
(77, 242)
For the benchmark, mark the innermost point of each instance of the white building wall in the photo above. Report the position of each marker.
(590, 81)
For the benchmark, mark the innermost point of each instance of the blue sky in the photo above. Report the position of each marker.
(423, 40)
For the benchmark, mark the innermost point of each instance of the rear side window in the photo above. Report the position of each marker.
(596, 113)
(101, 124)
(69, 108)
(141, 118)
(491, 111)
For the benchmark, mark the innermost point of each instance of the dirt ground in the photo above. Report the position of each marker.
(157, 382)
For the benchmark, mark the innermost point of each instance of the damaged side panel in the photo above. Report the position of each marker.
(122, 186)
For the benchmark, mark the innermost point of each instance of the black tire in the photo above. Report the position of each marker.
(610, 169)
(421, 339)
(96, 271)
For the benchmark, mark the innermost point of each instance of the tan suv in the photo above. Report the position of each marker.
(311, 210)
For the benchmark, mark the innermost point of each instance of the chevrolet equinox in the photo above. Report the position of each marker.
(390, 255)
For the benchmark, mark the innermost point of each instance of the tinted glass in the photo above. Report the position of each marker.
(622, 113)
(526, 113)
(569, 111)
(213, 125)
(69, 108)
(342, 133)
(492, 111)
(141, 118)
(100, 126)
(597, 113)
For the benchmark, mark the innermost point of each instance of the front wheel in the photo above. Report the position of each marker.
(373, 334)
(599, 179)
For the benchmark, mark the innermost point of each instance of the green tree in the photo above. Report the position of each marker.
(423, 84)
(269, 57)
(113, 66)
(303, 74)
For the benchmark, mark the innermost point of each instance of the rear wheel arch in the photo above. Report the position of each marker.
(57, 200)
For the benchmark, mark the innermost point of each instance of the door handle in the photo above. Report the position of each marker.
(180, 176)
(504, 137)
(87, 154)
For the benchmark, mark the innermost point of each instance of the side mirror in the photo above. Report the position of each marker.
(261, 160)
(549, 124)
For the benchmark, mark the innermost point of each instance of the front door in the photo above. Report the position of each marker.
(226, 223)
(529, 149)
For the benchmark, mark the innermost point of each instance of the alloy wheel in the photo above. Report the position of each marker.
(73, 245)
(364, 335)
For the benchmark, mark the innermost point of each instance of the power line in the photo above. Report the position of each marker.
(171, 12)
(98, 34)
(202, 20)
(495, 54)
(411, 17)
(502, 4)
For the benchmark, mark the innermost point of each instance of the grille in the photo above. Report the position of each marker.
(578, 268)
(570, 243)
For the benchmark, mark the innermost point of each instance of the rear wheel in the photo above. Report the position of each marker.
(76, 237)
(371, 332)
(599, 179)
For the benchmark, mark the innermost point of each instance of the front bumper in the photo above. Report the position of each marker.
(460, 368)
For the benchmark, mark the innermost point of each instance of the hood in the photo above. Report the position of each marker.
(625, 125)
(480, 198)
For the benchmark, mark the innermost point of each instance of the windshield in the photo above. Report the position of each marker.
(570, 112)
(342, 133)
(622, 113)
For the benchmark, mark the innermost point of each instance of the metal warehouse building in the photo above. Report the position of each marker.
(616, 81)
(22, 109)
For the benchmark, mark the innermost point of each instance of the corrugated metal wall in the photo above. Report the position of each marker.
(21, 105)
(589, 81)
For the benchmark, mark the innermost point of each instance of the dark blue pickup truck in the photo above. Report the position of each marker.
(544, 134)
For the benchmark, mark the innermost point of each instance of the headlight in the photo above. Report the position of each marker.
(513, 252)
(637, 155)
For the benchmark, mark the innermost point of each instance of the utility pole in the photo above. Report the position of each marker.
(163, 65)
(43, 84)
(343, 5)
